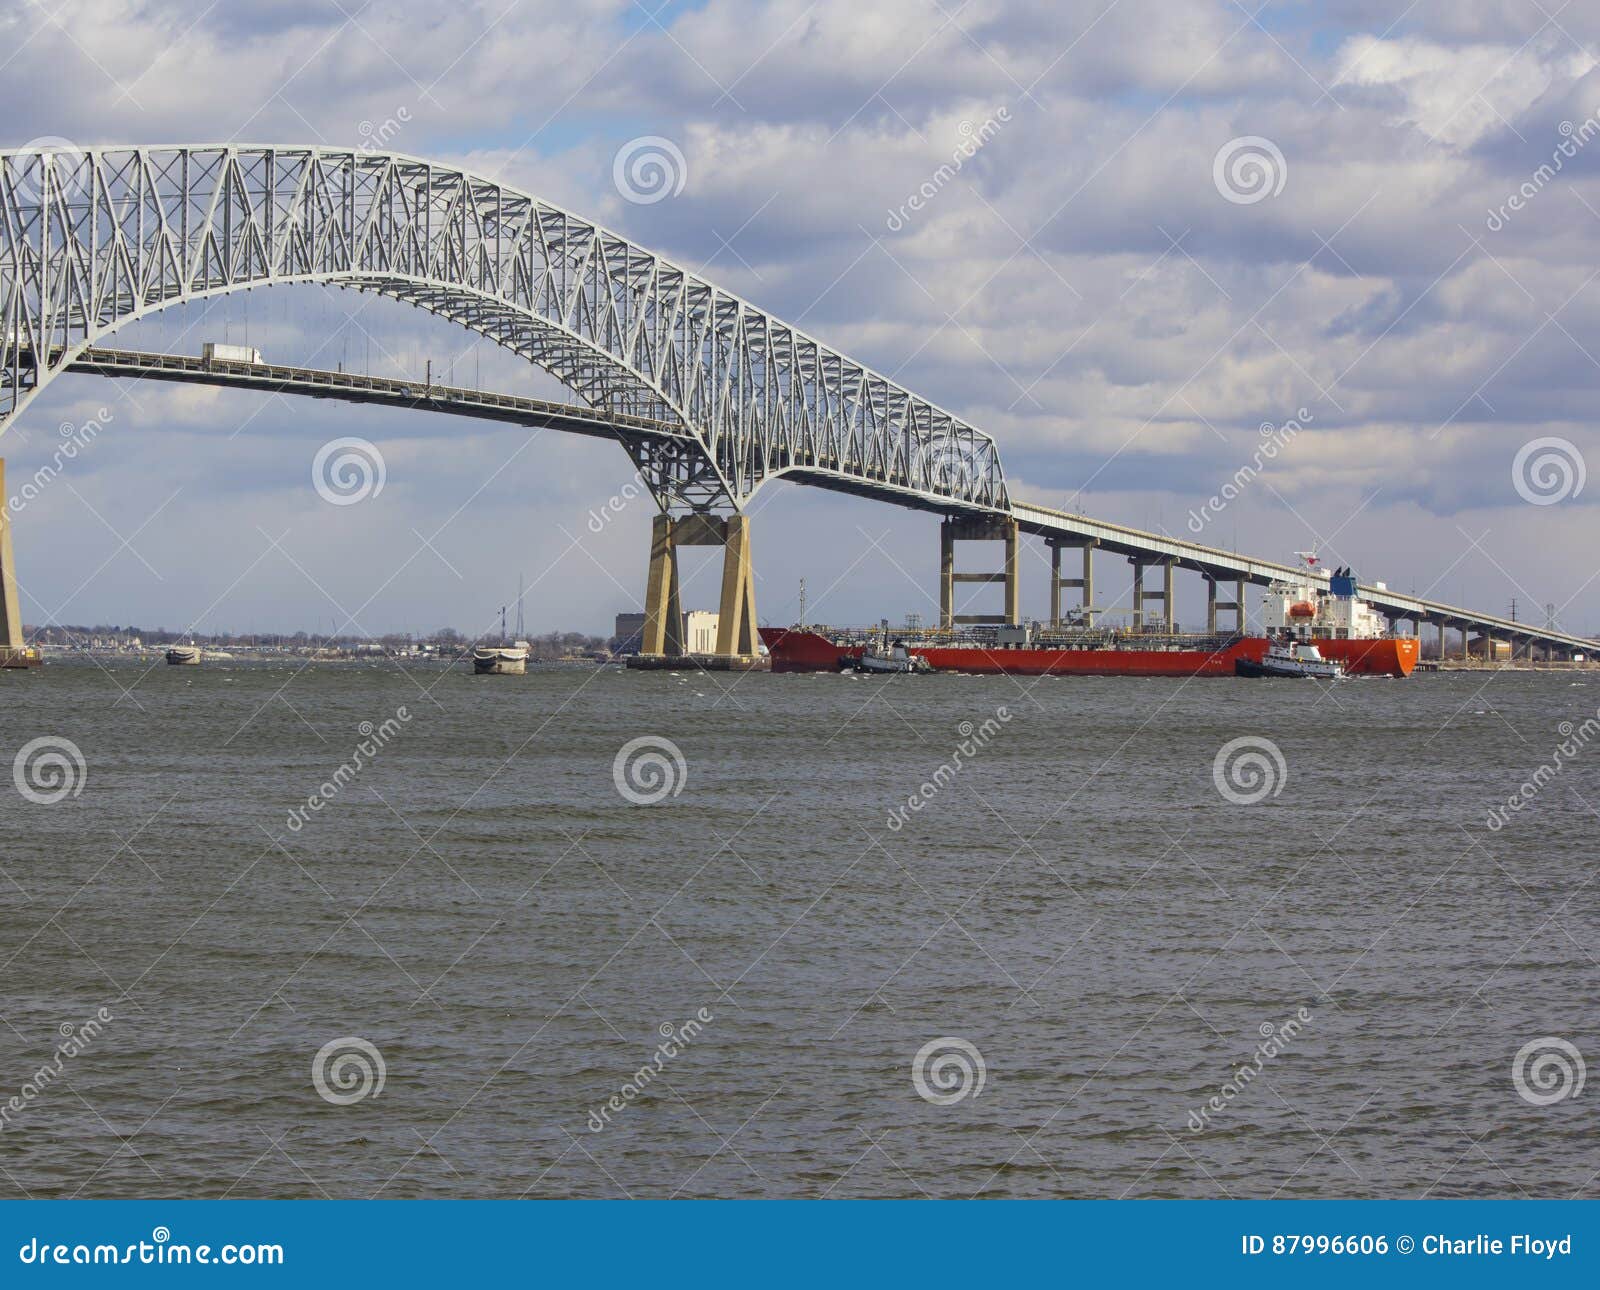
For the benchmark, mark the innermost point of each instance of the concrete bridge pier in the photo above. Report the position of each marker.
(1236, 605)
(10, 613)
(662, 640)
(1084, 586)
(1169, 569)
(983, 529)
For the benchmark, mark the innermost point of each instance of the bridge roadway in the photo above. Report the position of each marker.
(1052, 525)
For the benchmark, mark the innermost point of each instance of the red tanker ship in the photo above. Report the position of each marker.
(1065, 653)
(1320, 608)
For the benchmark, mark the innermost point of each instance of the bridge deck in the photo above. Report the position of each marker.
(577, 418)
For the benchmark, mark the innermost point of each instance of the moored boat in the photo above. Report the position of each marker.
(500, 660)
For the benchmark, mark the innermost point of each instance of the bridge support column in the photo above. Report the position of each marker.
(663, 609)
(952, 531)
(1084, 585)
(1169, 570)
(11, 643)
(1236, 605)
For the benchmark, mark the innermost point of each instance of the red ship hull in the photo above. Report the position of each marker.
(1386, 656)
(797, 649)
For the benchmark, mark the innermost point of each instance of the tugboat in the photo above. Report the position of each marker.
(1286, 659)
(888, 659)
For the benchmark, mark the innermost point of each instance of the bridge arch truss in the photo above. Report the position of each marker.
(96, 238)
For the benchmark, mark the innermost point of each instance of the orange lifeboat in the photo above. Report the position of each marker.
(1302, 609)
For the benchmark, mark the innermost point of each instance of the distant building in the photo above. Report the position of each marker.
(700, 632)
(630, 631)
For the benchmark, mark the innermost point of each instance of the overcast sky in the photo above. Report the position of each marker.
(1172, 225)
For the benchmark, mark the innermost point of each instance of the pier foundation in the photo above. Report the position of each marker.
(952, 531)
(662, 637)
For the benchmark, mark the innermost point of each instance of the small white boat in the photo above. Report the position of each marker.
(184, 655)
(1283, 659)
(891, 660)
(500, 660)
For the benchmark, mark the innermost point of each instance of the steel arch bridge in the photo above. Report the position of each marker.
(96, 238)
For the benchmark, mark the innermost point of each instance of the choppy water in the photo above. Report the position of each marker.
(1078, 903)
